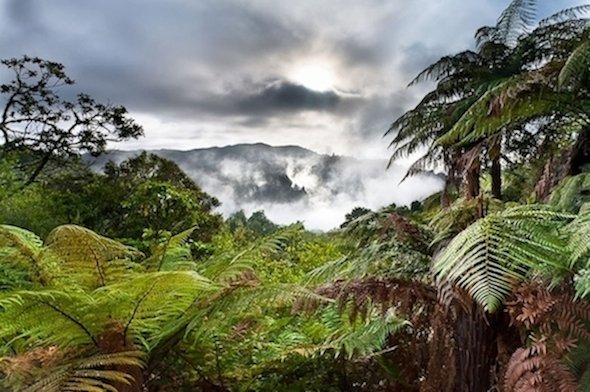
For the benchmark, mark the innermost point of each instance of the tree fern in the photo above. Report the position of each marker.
(515, 20)
(88, 258)
(576, 66)
(20, 250)
(91, 374)
(566, 14)
(571, 193)
(496, 252)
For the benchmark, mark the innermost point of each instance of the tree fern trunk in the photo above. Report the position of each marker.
(580, 155)
(476, 340)
(496, 169)
(471, 186)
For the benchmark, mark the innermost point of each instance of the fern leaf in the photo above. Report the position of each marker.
(88, 258)
(496, 252)
(566, 14)
(576, 66)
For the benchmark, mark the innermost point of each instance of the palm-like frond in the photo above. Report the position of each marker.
(576, 67)
(446, 66)
(172, 253)
(496, 252)
(566, 14)
(91, 374)
(515, 20)
(90, 259)
(21, 249)
(512, 102)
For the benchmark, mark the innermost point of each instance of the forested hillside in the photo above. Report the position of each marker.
(129, 279)
(320, 187)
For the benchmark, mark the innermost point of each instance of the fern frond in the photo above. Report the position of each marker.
(88, 258)
(450, 221)
(566, 14)
(172, 253)
(515, 20)
(570, 194)
(21, 249)
(576, 67)
(90, 374)
(445, 67)
(494, 253)
(50, 317)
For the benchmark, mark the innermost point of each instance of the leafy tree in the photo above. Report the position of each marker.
(40, 126)
(356, 212)
(487, 99)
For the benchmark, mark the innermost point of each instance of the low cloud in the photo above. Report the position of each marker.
(285, 96)
(294, 184)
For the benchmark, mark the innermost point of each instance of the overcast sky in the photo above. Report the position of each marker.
(329, 75)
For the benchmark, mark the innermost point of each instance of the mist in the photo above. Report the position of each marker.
(294, 184)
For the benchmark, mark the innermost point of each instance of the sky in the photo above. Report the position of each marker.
(328, 75)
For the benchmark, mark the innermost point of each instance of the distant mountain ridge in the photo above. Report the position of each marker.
(260, 176)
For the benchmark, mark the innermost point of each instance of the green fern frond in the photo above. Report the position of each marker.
(571, 193)
(172, 253)
(50, 317)
(31, 240)
(364, 338)
(20, 249)
(228, 267)
(578, 234)
(498, 251)
(576, 67)
(90, 374)
(445, 67)
(512, 102)
(88, 258)
(450, 221)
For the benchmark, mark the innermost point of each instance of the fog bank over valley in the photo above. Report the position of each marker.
(291, 183)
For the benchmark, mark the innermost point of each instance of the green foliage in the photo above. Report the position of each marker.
(489, 257)
(571, 193)
(250, 228)
(449, 222)
(575, 70)
(385, 244)
(356, 213)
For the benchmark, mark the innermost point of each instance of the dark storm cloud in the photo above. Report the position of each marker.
(21, 11)
(185, 61)
(285, 96)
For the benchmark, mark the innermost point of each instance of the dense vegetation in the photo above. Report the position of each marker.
(127, 280)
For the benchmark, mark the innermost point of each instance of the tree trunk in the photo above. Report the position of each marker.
(496, 173)
(476, 340)
(471, 187)
(580, 154)
(496, 169)
(453, 180)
